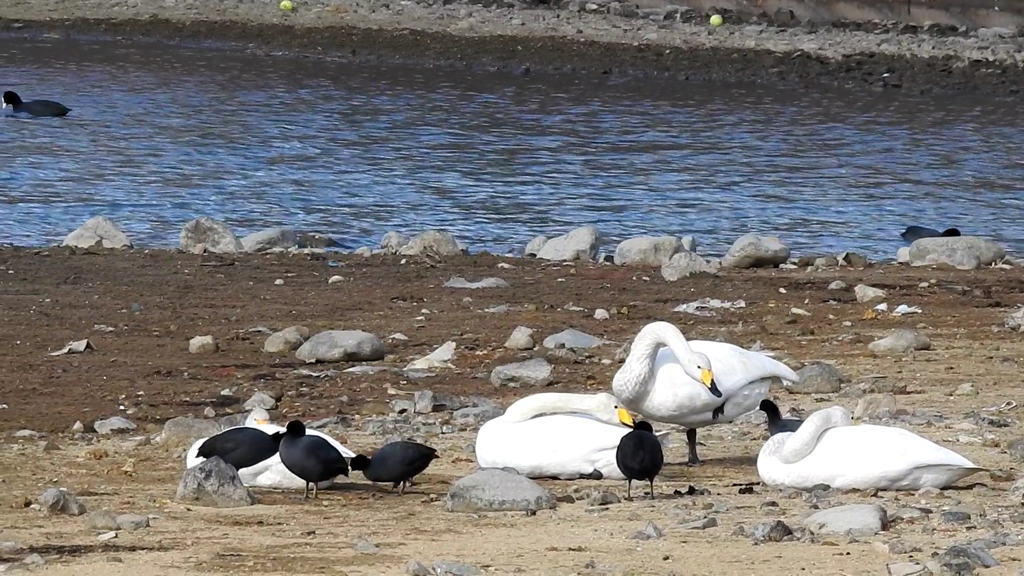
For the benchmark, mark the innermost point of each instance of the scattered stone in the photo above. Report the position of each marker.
(34, 559)
(342, 346)
(965, 389)
(455, 569)
(521, 339)
(867, 293)
(209, 412)
(571, 338)
(816, 378)
(650, 532)
(364, 546)
(185, 429)
(416, 568)
(286, 341)
(580, 244)
(434, 242)
(702, 524)
(132, 522)
(98, 232)
(647, 251)
(901, 341)
(906, 569)
(897, 547)
(214, 483)
(903, 255)
(284, 239)
(493, 490)
(774, 531)
(427, 402)
(960, 252)
(333, 280)
(601, 314)
(754, 251)
(534, 246)
(56, 501)
(533, 372)
(202, 345)
(851, 519)
(438, 359)
(101, 520)
(686, 263)
(114, 424)
(976, 556)
(875, 406)
(1015, 321)
(28, 434)
(393, 242)
(476, 415)
(955, 517)
(491, 282)
(107, 536)
(838, 285)
(600, 498)
(208, 235)
(260, 400)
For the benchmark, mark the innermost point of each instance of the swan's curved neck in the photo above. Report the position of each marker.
(803, 441)
(633, 382)
(547, 403)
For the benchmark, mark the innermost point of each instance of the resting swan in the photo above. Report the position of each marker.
(829, 449)
(556, 435)
(270, 473)
(693, 384)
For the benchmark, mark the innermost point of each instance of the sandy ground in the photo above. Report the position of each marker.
(142, 370)
(568, 36)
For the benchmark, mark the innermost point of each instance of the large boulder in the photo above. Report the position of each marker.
(342, 346)
(214, 482)
(961, 252)
(278, 238)
(208, 235)
(435, 242)
(686, 264)
(98, 232)
(580, 244)
(493, 490)
(647, 250)
(754, 251)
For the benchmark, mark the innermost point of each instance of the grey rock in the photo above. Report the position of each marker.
(103, 520)
(650, 532)
(434, 242)
(460, 282)
(55, 501)
(202, 345)
(455, 569)
(393, 242)
(876, 406)
(416, 568)
(364, 546)
(955, 517)
(647, 251)
(132, 522)
(342, 346)
(114, 424)
(572, 338)
(98, 232)
(906, 569)
(899, 546)
(603, 498)
(214, 483)
(774, 531)
(7, 547)
(1015, 320)
(534, 246)
(867, 293)
(684, 264)
(838, 285)
(580, 244)
(701, 524)
(286, 341)
(269, 239)
(34, 559)
(1016, 449)
(903, 255)
(816, 378)
(492, 490)
(208, 235)
(185, 429)
(961, 252)
(476, 415)
(689, 243)
(851, 519)
(107, 536)
(260, 400)
(521, 339)
(28, 434)
(976, 556)
(754, 251)
(533, 372)
(901, 341)
(427, 402)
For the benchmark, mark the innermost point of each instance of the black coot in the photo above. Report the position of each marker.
(241, 447)
(40, 108)
(639, 456)
(913, 233)
(310, 457)
(776, 423)
(397, 462)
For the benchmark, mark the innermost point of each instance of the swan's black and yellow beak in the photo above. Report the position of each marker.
(709, 380)
(625, 418)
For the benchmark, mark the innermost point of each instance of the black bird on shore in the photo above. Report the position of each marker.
(310, 457)
(38, 108)
(913, 233)
(241, 447)
(639, 456)
(776, 423)
(396, 462)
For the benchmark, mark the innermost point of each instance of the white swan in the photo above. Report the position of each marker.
(271, 472)
(829, 449)
(556, 435)
(693, 384)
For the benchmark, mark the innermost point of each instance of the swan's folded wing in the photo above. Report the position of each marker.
(735, 366)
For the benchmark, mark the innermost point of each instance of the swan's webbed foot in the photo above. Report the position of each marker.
(718, 412)
(691, 441)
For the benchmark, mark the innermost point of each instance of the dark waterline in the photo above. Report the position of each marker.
(161, 134)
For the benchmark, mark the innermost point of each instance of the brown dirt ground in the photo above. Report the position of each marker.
(53, 296)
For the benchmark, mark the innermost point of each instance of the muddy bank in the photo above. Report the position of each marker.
(583, 37)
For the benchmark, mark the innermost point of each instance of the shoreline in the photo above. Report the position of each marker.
(592, 38)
